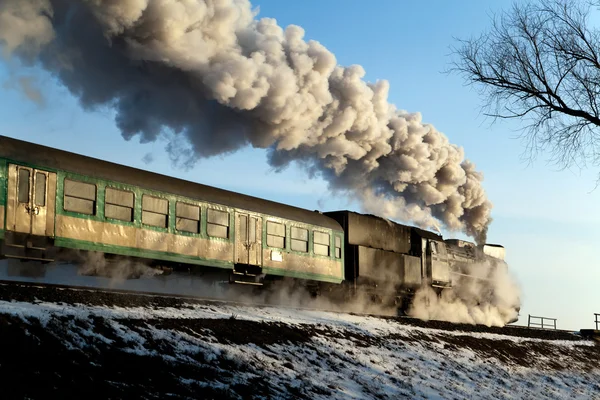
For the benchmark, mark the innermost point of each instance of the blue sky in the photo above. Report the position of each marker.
(546, 218)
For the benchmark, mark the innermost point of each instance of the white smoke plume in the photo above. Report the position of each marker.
(488, 296)
(211, 75)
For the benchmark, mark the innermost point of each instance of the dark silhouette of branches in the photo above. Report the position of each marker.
(540, 63)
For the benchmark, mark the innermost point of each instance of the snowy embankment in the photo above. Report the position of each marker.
(59, 343)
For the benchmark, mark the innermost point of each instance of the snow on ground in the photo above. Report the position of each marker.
(215, 350)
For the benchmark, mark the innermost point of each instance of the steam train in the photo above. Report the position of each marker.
(53, 202)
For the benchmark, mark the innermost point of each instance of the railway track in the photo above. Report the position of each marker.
(27, 291)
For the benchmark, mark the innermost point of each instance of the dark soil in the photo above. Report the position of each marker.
(42, 361)
(38, 365)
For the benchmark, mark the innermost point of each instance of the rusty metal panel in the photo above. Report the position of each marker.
(252, 229)
(187, 245)
(241, 239)
(152, 240)
(79, 229)
(23, 188)
(1, 217)
(298, 264)
(255, 240)
(51, 204)
(44, 203)
(248, 242)
(440, 271)
(379, 265)
(129, 236)
(412, 271)
(389, 267)
(116, 235)
(378, 233)
(217, 250)
(37, 189)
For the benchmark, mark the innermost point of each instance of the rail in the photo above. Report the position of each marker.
(597, 320)
(548, 325)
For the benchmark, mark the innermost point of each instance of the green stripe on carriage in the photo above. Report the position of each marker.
(1, 233)
(132, 252)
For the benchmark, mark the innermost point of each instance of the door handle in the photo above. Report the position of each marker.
(32, 210)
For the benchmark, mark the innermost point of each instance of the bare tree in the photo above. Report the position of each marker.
(540, 62)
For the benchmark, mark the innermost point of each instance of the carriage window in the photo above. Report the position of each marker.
(119, 204)
(338, 247)
(155, 211)
(275, 235)
(79, 197)
(299, 239)
(321, 243)
(217, 223)
(23, 186)
(188, 217)
(40, 189)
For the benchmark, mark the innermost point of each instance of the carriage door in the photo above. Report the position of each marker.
(248, 239)
(31, 198)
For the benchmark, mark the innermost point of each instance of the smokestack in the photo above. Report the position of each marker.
(213, 74)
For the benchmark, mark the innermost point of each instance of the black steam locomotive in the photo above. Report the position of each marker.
(53, 201)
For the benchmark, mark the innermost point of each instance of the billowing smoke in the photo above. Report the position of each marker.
(486, 294)
(209, 74)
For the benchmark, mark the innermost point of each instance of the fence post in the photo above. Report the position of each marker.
(543, 324)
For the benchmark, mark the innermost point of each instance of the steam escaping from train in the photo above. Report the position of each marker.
(210, 72)
(489, 296)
